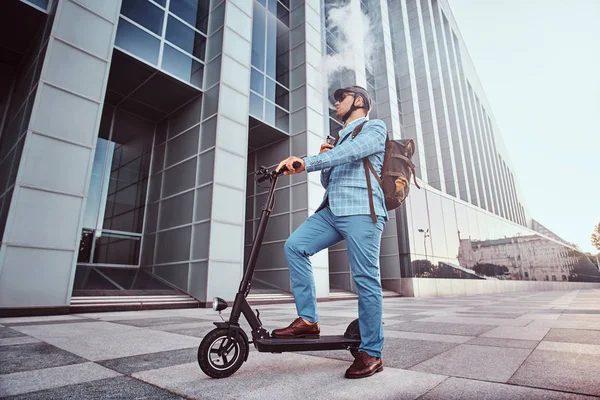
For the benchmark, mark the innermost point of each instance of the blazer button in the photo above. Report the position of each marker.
(330, 181)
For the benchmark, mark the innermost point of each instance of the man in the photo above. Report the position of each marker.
(344, 215)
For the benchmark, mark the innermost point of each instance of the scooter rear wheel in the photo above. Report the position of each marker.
(353, 332)
(217, 361)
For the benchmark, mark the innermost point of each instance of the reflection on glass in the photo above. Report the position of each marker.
(437, 229)
(144, 13)
(482, 246)
(270, 90)
(271, 67)
(256, 106)
(451, 227)
(420, 222)
(186, 38)
(259, 23)
(182, 66)
(270, 113)
(282, 120)
(283, 15)
(193, 12)
(257, 81)
(282, 97)
(114, 248)
(90, 278)
(40, 3)
(137, 42)
(96, 196)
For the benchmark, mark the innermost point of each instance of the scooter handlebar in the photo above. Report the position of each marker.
(274, 173)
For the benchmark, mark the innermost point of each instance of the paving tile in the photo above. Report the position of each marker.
(116, 345)
(290, 376)
(203, 326)
(433, 337)
(41, 379)
(9, 333)
(57, 322)
(18, 340)
(539, 315)
(144, 362)
(75, 330)
(570, 347)
(405, 353)
(442, 328)
(111, 388)
(27, 357)
(48, 318)
(152, 322)
(479, 321)
(509, 343)
(517, 332)
(488, 363)
(574, 336)
(560, 371)
(567, 324)
(466, 389)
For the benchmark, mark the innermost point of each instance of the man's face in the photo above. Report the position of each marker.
(343, 105)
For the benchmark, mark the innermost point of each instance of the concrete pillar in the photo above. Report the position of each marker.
(44, 224)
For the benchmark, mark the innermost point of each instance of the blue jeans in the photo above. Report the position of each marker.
(322, 230)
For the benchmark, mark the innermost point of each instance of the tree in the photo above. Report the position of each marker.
(596, 237)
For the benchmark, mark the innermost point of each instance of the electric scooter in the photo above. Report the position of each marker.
(224, 349)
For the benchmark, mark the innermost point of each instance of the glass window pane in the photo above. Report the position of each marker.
(282, 120)
(193, 12)
(186, 38)
(117, 249)
(258, 37)
(256, 106)
(270, 94)
(182, 66)
(257, 82)
(270, 113)
(282, 97)
(271, 45)
(40, 3)
(145, 14)
(451, 228)
(437, 229)
(420, 221)
(283, 14)
(137, 42)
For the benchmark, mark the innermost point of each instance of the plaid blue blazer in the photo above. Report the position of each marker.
(343, 172)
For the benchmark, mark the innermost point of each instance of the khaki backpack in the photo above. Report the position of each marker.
(395, 173)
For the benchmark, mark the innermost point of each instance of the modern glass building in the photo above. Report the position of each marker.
(131, 130)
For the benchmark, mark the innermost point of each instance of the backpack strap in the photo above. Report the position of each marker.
(371, 206)
(368, 167)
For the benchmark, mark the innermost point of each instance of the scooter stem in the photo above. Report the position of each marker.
(258, 239)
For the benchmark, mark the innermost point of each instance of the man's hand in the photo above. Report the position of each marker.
(288, 162)
(325, 147)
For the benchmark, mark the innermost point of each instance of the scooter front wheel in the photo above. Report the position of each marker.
(219, 357)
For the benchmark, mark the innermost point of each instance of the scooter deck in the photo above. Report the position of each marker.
(278, 345)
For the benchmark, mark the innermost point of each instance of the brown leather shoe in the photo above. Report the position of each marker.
(298, 329)
(363, 366)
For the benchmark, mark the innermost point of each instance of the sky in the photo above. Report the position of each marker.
(539, 64)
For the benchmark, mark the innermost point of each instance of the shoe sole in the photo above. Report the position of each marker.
(297, 337)
(364, 376)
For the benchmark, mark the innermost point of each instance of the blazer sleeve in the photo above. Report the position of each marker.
(369, 141)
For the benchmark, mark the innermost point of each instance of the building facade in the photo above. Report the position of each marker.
(132, 129)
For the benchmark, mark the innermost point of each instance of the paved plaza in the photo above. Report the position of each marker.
(529, 345)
